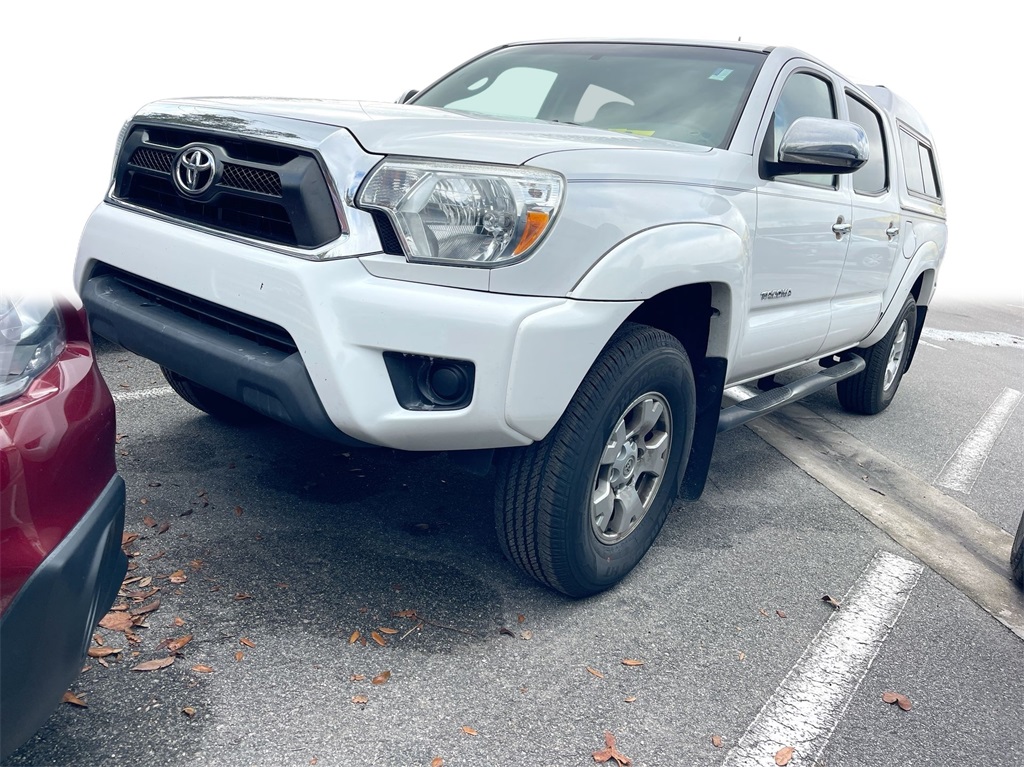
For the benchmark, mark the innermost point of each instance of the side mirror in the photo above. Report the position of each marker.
(821, 145)
(404, 98)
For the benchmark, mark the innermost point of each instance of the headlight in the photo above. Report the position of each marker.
(31, 339)
(459, 213)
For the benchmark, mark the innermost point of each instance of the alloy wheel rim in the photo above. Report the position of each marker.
(631, 468)
(892, 367)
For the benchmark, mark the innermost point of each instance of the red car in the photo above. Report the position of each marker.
(61, 508)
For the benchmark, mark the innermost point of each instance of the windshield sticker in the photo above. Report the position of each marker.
(633, 131)
(720, 74)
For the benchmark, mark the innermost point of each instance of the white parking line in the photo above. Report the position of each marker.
(975, 337)
(807, 706)
(128, 396)
(934, 346)
(963, 467)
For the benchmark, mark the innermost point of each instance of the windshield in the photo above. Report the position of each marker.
(678, 92)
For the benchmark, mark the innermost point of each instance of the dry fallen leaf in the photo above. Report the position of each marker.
(360, 699)
(410, 614)
(74, 700)
(163, 528)
(595, 672)
(189, 711)
(783, 756)
(179, 622)
(381, 678)
(98, 639)
(630, 699)
(242, 595)
(144, 609)
(247, 642)
(506, 632)
(386, 630)
(238, 511)
(148, 521)
(610, 752)
(632, 662)
(437, 762)
(102, 652)
(763, 612)
(153, 665)
(178, 576)
(780, 613)
(239, 655)
(202, 669)
(378, 638)
(829, 600)
(527, 635)
(899, 699)
(116, 621)
(521, 618)
(716, 741)
(353, 637)
(740, 655)
(357, 678)
(176, 644)
(469, 730)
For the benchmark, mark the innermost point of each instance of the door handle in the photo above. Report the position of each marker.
(840, 228)
(892, 231)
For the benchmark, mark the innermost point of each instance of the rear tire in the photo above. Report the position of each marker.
(871, 391)
(579, 509)
(210, 402)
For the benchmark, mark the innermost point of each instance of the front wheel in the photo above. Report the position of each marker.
(579, 509)
(871, 391)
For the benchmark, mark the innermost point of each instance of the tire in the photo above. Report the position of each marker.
(213, 403)
(871, 391)
(579, 509)
(1017, 555)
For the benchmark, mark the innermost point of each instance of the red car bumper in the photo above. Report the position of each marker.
(61, 520)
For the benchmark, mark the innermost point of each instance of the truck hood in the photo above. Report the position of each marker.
(400, 129)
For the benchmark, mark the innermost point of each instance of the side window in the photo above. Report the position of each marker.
(803, 95)
(516, 92)
(873, 178)
(919, 166)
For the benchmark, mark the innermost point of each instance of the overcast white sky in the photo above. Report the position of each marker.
(79, 72)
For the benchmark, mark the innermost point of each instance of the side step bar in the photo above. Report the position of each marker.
(762, 404)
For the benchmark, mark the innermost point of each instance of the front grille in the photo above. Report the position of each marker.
(261, 191)
(244, 325)
(253, 179)
(153, 159)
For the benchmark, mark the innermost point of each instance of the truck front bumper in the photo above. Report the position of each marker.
(304, 342)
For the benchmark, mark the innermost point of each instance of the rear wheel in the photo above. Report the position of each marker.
(579, 509)
(211, 402)
(872, 390)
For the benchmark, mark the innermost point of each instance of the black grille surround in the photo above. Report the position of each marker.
(260, 191)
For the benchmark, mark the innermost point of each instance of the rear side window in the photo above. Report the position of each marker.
(873, 177)
(922, 178)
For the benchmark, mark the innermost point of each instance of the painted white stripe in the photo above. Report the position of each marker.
(961, 471)
(976, 337)
(806, 707)
(128, 396)
(934, 346)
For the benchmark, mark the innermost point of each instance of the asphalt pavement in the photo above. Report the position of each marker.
(353, 607)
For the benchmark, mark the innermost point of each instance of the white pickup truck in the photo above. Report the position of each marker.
(555, 258)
